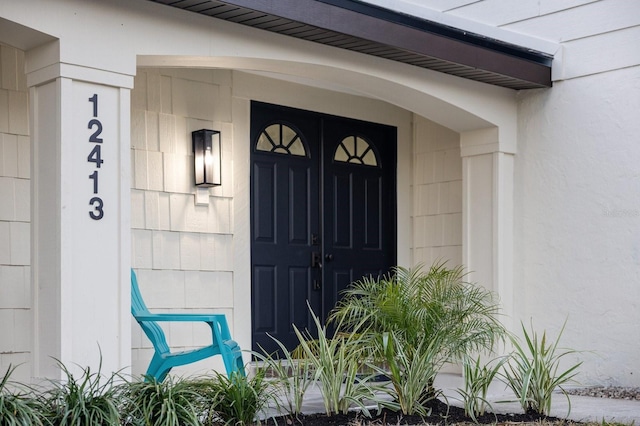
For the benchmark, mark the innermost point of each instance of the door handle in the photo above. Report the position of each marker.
(316, 259)
(328, 257)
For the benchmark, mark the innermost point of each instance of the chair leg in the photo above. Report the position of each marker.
(156, 369)
(240, 365)
(163, 375)
(232, 357)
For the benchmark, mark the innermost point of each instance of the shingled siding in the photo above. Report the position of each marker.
(437, 204)
(15, 217)
(180, 250)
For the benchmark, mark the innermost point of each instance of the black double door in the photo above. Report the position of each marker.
(322, 214)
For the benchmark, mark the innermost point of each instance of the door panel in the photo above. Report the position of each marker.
(323, 214)
(264, 204)
(285, 209)
(299, 191)
(264, 289)
(372, 215)
(342, 213)
(361, 202)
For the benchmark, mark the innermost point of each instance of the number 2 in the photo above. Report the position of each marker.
(94, 137)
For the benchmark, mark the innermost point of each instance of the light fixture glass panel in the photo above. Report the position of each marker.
(207, 157)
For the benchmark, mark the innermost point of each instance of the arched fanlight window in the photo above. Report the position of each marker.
(355, 150)
(281, 139)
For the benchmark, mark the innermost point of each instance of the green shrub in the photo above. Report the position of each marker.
(533, 371)
(335, 365)
(292, 375)
(172, 402)
(17, 408)
(235, 400)
(89, 400)
(411, 370)
(477, 378)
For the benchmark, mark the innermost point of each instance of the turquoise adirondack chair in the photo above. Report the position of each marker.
(164, 360)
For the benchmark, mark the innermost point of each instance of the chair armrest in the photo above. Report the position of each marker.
(182, 317)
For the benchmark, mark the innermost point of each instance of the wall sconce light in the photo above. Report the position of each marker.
(207, 158)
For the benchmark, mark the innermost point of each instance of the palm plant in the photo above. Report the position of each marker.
(17, 408)
(417, 305)
(439, 307)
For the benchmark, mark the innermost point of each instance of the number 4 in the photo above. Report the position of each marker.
(95, 157)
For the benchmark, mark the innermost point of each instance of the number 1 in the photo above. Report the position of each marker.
(94, 177)
(94, 101)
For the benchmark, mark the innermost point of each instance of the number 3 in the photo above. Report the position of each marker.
(97, 208)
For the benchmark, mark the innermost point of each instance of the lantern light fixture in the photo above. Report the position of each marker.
(207, 158)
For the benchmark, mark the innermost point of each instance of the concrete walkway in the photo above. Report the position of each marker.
(583, 408)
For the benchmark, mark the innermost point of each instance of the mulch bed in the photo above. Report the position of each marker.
(441, 414)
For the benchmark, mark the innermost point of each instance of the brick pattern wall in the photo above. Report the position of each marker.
(181, 251)
(15, 216)
(437, 194)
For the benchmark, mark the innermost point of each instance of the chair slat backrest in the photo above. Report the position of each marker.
(138, 307)
(151, 328)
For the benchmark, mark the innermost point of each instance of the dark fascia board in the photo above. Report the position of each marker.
(442, 30)
(461, 53)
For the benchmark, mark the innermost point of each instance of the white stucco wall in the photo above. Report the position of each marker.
(15, 216)
(577, 209)
(578, 219)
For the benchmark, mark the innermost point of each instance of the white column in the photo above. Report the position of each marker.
(80, 126)
(487, 206)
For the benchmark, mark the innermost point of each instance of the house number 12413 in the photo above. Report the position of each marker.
(95, 157)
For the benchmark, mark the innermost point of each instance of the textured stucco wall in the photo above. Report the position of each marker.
(577, 179)
(577, 219)
(15, 216)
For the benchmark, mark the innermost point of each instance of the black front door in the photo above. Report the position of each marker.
(322, 214)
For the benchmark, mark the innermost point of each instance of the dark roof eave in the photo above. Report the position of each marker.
(370, 29)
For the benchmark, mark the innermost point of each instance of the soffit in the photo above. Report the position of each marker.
(372, 30)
